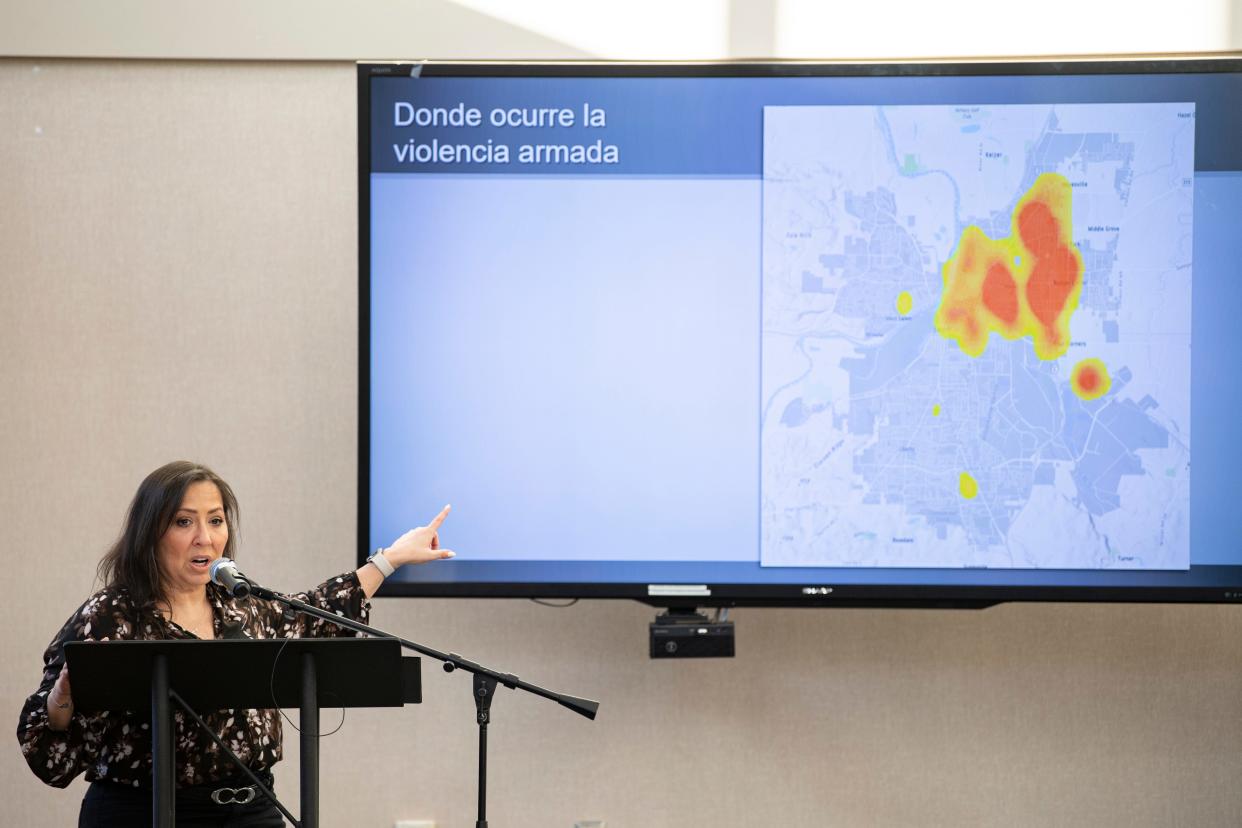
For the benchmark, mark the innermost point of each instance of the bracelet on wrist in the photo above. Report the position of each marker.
(381, 563)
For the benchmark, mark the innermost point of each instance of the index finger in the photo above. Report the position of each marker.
(438, 519)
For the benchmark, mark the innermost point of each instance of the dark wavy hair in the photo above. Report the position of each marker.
(132, 563)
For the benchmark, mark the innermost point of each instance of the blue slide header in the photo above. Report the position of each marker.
(705, 126)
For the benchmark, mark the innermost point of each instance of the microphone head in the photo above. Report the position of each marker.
(217, 565)
(224, 574)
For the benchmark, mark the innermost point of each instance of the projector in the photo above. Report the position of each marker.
(674, 636)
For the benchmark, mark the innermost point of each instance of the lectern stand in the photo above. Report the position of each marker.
(205, 676)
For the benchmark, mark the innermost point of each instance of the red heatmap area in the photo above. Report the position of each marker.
(1025, 284)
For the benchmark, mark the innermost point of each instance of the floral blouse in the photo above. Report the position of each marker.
(116, 746)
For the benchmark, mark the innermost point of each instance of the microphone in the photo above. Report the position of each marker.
(224, 573)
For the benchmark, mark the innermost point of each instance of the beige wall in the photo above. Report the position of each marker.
(177, 279)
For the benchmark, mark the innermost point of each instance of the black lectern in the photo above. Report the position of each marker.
(243, 673)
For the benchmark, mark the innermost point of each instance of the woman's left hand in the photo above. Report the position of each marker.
(419, 545)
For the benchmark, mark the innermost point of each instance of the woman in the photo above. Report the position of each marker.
(157, 586)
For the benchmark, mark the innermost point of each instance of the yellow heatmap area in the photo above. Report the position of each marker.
(1026, 284)
(905, 303)
(967, 486)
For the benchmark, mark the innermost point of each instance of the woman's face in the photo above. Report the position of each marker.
(195, 537)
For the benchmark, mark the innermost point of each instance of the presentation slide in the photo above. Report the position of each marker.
(884, 329)
(976, 336)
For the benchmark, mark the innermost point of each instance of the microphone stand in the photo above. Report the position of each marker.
(485, 679)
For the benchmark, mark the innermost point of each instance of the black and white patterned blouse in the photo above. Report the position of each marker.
(117, 746)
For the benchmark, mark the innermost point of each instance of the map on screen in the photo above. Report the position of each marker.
(976, 336)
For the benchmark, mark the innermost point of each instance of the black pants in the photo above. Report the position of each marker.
(109, 805)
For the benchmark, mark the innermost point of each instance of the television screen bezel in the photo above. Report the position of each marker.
(813, 592)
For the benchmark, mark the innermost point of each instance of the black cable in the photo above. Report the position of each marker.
(271, 685)
(544, 602)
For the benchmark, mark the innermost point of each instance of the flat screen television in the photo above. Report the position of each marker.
(894, 334)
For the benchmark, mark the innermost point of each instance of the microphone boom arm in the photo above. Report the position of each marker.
(452, 661)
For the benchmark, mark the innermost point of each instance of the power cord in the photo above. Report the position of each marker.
(271, 684)
(544, 602)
